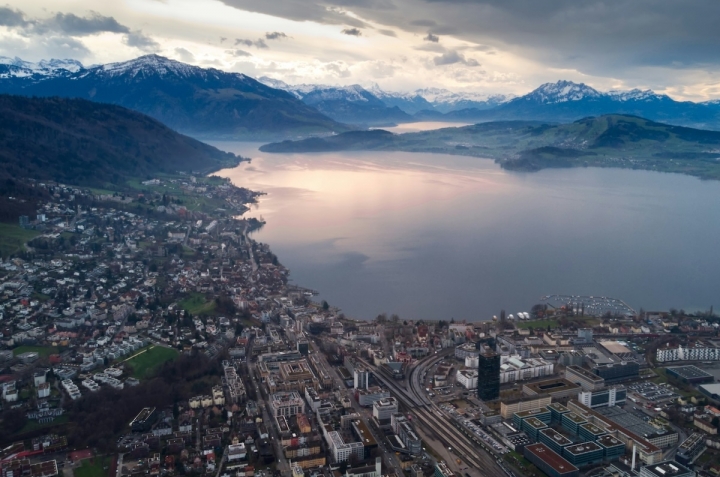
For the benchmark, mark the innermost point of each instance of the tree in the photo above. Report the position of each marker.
(325, 305)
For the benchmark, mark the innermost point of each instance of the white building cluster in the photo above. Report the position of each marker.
(514, 368)
(699, 351)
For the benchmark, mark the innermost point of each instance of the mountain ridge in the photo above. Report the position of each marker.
(82, 142)
(203, 102)
(605, 141)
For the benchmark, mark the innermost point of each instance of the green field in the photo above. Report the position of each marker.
(43, 351)
(537, 324)
(148, 360)
(13, 238)
(196, 304)
(94, 467)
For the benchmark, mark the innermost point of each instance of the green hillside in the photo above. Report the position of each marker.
(605, 141)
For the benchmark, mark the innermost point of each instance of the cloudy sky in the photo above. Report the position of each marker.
(486, 46)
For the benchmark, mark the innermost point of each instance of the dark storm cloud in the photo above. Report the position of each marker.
(276, 35)
(452, 57)
(137, 39)
(352, 32)
(594, 36)
(432, 38)
(74, 25)
(11, 17)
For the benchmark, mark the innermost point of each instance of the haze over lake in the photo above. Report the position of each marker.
(431, 236)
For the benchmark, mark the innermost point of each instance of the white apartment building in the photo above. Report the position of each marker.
(699, 351)
(467, 378)
(514, 368)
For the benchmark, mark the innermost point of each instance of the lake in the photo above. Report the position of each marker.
(430, 236)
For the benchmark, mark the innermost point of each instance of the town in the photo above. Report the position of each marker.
(147, 333)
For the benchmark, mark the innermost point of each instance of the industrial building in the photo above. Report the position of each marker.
(690, 374)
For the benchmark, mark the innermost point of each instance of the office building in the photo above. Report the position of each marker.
(590, 432)
(572, 422)
(442, 470)
(581, 455)
(617, 371)
(488, 379)
(614, 396)
(613, 447)
(553, 439)
(556, 411)
(384, 408)
(549, 462)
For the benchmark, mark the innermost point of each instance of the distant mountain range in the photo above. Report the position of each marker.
(604, 141)
(559, 102)
(374, 106)
(209, 103)
(85, 143)
(197, 101)
(566, 101)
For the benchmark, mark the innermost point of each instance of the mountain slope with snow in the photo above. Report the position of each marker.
(351, 104)
(204, 102)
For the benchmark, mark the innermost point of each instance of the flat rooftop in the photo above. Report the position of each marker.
(556, 437)
(667, 469)
(584, 373)
(615, 347)
(557, 463)
(556, 406)
(690, 372)
(609, 441)
(552, 386)
(584, 448)
(531, 413)
(571, 416)
(592, 429)
(535, 422)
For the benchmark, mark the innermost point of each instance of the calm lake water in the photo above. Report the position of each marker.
(423, 126)
(431, 236)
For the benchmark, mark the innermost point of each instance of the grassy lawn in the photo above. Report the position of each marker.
(196, 304)
(537, 324)
(43, 351)
(95, 467)
(13, 238)
(148, 360)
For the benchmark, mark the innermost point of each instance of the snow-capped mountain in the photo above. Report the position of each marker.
(566, 101)
(17, 68)
(349, 104)
(191, 99)
(636, 95)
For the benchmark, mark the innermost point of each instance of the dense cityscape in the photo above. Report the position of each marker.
(185, 330)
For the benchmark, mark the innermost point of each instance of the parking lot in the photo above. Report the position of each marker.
(655, 393)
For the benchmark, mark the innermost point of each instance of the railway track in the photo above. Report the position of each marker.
(434, 420)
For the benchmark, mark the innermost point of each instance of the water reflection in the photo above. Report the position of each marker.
(434, 236)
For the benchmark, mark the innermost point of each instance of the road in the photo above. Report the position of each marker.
(389, 458)
(283, 465)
